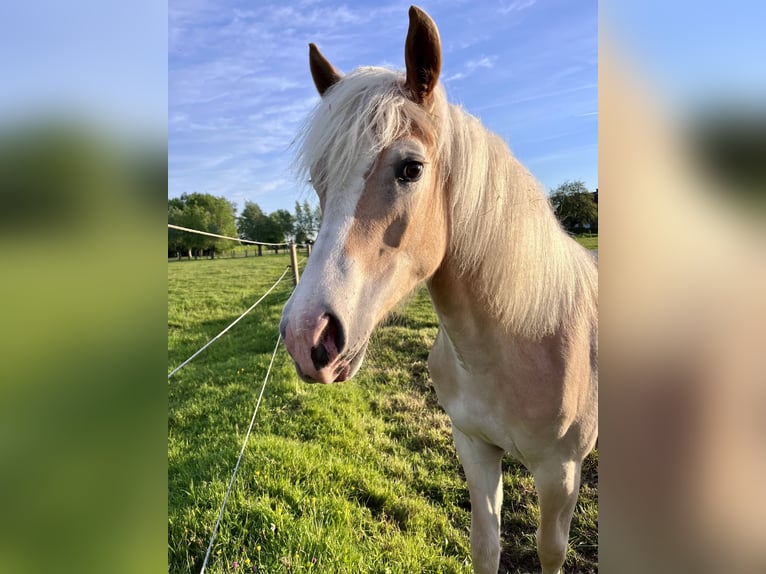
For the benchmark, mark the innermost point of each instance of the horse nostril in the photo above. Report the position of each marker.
(330, 343)
(319, 357)
(334, 332)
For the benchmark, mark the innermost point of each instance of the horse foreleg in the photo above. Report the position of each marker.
(557, 483)
(481, 462)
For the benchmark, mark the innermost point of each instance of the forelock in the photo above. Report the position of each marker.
(356, 119)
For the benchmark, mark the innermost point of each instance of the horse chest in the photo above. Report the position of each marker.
(504, 401)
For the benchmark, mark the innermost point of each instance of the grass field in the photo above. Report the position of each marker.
(355, 477)
(588, 240)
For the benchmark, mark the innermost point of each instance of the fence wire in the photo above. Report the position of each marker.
(211, 341)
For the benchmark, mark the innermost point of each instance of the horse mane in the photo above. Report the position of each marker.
(503, 232)
(505, 235)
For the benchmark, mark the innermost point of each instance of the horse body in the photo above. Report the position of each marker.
(413, 189)
(518, 393)
(535, 398)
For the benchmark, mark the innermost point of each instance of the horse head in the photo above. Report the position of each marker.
(372, 151)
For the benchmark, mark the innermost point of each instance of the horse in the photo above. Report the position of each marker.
(414, 189)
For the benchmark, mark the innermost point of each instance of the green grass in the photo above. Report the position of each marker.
(587, 240)
(355, 477)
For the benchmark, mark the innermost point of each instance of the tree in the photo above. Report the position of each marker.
(252, 223)
(203, 212)
(283, 226)
(317, 219)
(175, 238)
(306, 222)
(574, 206)
(301, 233)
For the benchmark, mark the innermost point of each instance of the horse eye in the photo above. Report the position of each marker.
(411, 171)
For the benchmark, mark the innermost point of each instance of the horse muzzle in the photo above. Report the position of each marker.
(316, 340)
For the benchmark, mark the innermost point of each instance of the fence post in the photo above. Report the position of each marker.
(308, 249)
(294, 261)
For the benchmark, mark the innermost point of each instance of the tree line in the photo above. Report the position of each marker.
(206, 212)
(576, 207)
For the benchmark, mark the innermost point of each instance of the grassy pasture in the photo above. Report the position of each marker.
(348, 478)
(587, 240)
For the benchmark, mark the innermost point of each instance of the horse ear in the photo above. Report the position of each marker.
(423, 55)
(323, 72)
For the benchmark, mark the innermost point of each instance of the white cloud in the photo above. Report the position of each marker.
(470, 67)
(457, 76)
(484, 62)
(517, 6)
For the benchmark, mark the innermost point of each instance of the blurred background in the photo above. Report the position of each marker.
(83, 183)
(682, 169)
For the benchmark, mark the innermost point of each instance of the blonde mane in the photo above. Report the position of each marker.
(503, 233)
(355, 120)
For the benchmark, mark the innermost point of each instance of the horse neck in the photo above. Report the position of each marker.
(507, 257)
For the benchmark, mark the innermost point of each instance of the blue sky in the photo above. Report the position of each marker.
(239, 83)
